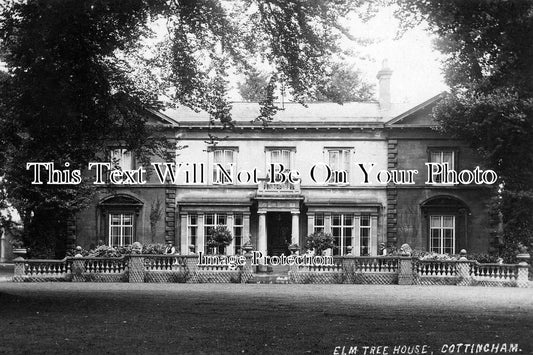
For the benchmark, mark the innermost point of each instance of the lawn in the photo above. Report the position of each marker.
(95, 318)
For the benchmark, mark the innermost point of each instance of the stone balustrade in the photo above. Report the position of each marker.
(403, 270)
(41, 270)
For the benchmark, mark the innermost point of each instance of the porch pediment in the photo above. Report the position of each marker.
(279, 203)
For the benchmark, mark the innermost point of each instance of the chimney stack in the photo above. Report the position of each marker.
(384, 86)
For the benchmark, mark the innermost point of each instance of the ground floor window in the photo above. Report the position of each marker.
(120, 229)
(192, 229)
(318, 223)
(200, 228)
(364, 236)
(238, 231)
(353, 233)
(442, 234)
(210, 222)
(342, 231)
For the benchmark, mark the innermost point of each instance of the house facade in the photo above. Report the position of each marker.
(317, 168)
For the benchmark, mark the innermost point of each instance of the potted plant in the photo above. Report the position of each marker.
(219, 239)
(319, 241)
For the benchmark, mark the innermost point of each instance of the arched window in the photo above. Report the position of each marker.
(446, 220)
(119, 218)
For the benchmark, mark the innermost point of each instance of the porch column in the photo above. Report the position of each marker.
(246, 228)
(262, 237)
(295, 227)
(310, 222)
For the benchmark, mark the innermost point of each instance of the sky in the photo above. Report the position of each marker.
(416, 65)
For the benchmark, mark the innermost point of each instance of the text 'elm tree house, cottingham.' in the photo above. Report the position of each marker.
(440, 217)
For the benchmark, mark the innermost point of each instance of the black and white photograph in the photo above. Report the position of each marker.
(345, 177)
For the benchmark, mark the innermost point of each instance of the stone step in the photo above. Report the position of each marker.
(280, 269)
(269, 278)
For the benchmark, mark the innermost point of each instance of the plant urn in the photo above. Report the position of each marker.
(523, 258)
(462, 254)
(191, 248)
(293, 248)
(405, 250)
(247, 247)
(19, 252)
(136, 248)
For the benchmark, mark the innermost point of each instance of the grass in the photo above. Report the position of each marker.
(95, 318)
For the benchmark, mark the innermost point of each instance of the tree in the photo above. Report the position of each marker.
(488, 68)
(341, 84)
(77, 81)
(344, 84)
(253, 89)
(67, 96)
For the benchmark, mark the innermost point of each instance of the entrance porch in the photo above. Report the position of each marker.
(279, 224)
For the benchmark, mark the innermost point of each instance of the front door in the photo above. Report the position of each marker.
(279, 226)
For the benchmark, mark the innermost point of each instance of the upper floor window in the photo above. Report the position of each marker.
(121, 159)
(339, 163)
(280, 156)
(222, 163)
(441, 156)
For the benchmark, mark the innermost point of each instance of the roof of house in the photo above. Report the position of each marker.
(314, 114)
(404, 118)
(294, 112)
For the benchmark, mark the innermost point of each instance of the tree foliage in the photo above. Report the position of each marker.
(340, 84)
(488, 55)
(253, 89)
(78, 80)
(219, 238)
(344, 84)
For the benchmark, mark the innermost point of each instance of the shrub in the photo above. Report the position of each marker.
(74, 251)
(108, 251)
(155, 248)
(483, 258)
(438, 257)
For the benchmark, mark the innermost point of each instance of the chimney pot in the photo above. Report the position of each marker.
(384, 76)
